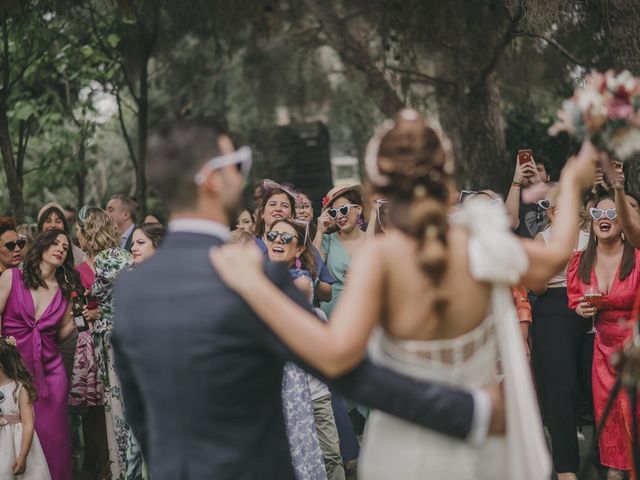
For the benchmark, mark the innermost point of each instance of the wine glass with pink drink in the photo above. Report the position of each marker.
(594, 297)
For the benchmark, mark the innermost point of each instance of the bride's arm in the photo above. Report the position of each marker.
(332, 348)
(547, 261)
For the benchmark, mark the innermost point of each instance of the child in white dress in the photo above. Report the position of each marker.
(20, 450)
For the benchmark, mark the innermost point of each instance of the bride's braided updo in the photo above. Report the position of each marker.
(409, 164)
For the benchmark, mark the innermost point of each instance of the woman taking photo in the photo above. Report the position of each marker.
(35, 309)
(411, 302)
(342, 210)
(561, 356)
(603, 282)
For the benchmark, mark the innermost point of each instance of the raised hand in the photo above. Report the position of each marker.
(583, 166)
(526, 173)
(238, 265)
(324, 221)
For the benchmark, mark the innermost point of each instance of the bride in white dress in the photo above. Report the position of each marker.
(430, 299)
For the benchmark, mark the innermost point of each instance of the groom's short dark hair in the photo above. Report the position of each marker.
(175, 153)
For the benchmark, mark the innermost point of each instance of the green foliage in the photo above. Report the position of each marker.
(240, 61)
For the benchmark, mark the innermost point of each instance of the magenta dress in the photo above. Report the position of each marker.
(38, 345)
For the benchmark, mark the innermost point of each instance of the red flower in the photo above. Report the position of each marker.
(325, 201)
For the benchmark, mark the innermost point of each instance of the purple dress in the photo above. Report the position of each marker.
(38, 345)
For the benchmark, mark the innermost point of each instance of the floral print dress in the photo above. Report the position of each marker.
(297, 406)
(124, 455)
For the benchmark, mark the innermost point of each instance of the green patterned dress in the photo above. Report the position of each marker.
(124, 455)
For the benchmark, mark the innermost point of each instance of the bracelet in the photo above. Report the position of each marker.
(517, 184)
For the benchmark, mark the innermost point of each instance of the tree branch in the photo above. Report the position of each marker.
(553, 43)
(497, 52)
(125, 132)
(423, 77)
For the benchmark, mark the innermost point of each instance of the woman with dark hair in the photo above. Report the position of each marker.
(10, 245)
(246, 221)
(341, 212)
(35, 309)
(277, 203)
(146, 239)
(51, 216)
(431, 300)
(311, 427)
(561, 356)
(603, 282)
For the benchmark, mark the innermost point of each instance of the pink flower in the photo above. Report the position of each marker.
(619, 108)
(325, 201)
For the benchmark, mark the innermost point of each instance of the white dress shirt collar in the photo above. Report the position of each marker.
(126, 234)
(199, 225)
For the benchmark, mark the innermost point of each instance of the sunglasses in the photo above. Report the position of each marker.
(544, 204)
(343, 211)
(285, 237)
(381, 209)
(598, 213)
(241, 158)
(20, 243)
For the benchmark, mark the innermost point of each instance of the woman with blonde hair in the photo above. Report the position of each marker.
(431, 300)
(98, 236)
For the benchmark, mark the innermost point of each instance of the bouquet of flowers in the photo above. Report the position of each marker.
(606, 111)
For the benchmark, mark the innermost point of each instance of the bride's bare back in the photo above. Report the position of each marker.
(406, 309)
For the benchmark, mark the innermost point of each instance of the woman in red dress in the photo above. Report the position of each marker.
(610, 266)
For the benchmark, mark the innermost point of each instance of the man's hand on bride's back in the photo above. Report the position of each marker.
(238, 265)
(498, 420)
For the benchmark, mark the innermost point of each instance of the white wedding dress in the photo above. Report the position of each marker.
(394, 448)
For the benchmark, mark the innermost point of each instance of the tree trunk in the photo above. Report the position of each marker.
(470, 113)
(473, 121)
(621, 24)
(81, 173)
(14, 180)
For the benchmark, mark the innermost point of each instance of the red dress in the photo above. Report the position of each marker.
(613, 327)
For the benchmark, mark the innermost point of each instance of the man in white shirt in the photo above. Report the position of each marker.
(122, 210)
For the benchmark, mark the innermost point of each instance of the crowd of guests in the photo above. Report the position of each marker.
(570, 328)
(77, 428)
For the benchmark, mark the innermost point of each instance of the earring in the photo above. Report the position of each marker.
(624, 239)
(298, 263)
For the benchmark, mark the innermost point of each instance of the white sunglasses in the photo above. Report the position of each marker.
(343, 211)
(241, 157)
(598, 213)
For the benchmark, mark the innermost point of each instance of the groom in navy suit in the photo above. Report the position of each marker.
(201, 374)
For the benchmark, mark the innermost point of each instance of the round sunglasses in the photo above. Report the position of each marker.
(598, 213)
(11, 246)
(343, 211)
(285, 237)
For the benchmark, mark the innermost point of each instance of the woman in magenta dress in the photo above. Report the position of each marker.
(610, 266)
(35, 310)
